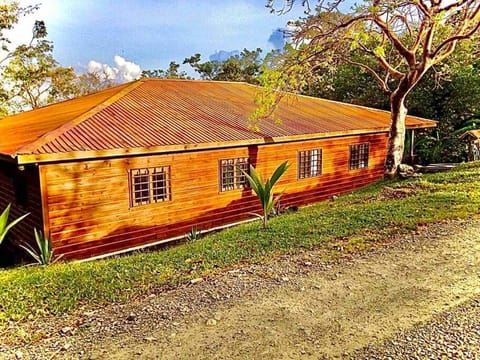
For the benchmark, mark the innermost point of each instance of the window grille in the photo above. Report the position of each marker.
(231, 175)
(149, 185)
(309, 163)
(359, 156)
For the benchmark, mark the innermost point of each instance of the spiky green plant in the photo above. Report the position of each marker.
(264, 190)
(193, 235)
(4, 225)
(45, 254)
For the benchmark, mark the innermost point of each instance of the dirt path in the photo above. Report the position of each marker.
(293, 307)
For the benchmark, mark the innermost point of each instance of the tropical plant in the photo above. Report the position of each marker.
(4, 225)
(45, 254)
(193, 235)
(264, 190)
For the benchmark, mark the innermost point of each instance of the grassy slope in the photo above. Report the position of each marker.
(354, 222)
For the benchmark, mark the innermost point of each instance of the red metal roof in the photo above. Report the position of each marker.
(151, 114)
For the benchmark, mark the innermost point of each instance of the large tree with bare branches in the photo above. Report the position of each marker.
(395, 41)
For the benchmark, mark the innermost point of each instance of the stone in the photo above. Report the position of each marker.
(67, 330)
(211, 322)
(196, 281)
(19, 355)
(131, 317)
(406, 171)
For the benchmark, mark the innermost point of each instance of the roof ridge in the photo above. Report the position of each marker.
(52, 134)
(315, 98)
(196, 80)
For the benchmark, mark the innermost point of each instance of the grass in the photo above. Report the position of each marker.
(354, 222)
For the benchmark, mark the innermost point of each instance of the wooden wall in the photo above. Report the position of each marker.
(88, 203)
(22, 190)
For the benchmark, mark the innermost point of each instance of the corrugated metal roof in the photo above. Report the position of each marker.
(154, 113)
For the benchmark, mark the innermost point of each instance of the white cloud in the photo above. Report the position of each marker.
(127, 70)
(122, 71)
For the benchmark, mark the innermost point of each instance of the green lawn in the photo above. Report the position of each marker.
(353, 222)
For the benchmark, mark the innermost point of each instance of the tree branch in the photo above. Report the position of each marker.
(450, 43)
(402, 49)
(384, 63)
(383, 85)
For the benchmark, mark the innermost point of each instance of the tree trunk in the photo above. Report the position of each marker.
(396, 141)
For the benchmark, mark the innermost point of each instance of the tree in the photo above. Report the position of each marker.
(453, 100)
(243, 67)
(10, 13)
(404, 38)
(171, 73)
(91, 82)
(32, 77)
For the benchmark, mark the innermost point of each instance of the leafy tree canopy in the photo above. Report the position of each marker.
(400, 42)
(173, 72)
(243, 67)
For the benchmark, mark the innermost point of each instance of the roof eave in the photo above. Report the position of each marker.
(101, 154)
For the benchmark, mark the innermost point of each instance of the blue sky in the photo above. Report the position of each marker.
(151, 33)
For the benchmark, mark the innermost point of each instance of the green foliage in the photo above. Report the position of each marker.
(453, 101)
(193, 235)
(91, 82)
(356, 221)
(4, 225)
(264, 190)
(33, 77)
(10, 13)
(380, 38)
(243, 67)
(45, 254)
(171, 73)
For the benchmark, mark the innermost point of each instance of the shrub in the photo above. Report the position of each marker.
(4, 225)
(44, 255)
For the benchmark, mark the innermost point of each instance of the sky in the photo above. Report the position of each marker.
(124, 37)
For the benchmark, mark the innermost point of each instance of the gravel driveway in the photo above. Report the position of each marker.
(415, 297)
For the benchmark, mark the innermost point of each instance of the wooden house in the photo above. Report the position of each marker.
(144, 162)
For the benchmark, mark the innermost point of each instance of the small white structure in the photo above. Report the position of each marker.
(473, 137)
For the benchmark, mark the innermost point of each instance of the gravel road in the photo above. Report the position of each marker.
(414, 297)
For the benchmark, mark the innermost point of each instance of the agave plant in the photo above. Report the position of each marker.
(264, 190)
(4, 225)
(193, 235)
(44, 255)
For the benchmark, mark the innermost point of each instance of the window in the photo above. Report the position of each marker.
(309, 163)
(359, 156)
(149, 185)
(231, 175)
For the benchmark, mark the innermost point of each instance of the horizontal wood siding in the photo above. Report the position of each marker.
(88, 202)
(22, 190)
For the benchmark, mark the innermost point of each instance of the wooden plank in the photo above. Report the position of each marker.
(88, 202)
